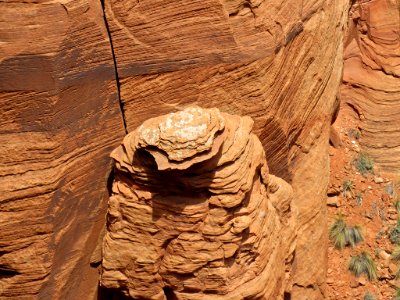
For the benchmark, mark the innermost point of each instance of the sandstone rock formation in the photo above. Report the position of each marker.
(60, 118)
(371, 81)
(278, 61)
(195, 213)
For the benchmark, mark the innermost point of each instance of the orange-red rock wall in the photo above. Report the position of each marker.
(279, 62)
(371, 80)
(60, 118)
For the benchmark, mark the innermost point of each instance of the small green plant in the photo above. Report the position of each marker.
(389, 189)
(394, 234)
(342, 235)
(392, 190)
(363, 264)
(396, 254)
(348, 187)
(397, 206)
(380, 234)
(397, 294)
(364, 163)
(397, 276)
(337, 233)
(369, 296)
(354, 133)
(381, 213)
(359, 199)
(354, 235)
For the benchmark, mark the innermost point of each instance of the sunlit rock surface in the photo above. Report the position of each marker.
(371, 81)
(195, 212)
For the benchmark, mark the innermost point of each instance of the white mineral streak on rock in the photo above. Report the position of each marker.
(192, 211)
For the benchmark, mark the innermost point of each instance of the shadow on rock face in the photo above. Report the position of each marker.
(275, 143)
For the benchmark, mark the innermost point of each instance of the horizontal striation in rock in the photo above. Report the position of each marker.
(282, 69)
(194, 211)
(371, 81)
(60, 119)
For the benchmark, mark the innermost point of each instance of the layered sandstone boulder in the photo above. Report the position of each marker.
(194, 212)
(371, 81)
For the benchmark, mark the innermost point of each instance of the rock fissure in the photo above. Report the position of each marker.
(117, 82)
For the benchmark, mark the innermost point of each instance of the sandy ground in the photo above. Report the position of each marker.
(375, 213)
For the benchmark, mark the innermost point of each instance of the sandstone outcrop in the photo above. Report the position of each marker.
(278, 61)
(195, 213)
(371, 81)
(60, 118)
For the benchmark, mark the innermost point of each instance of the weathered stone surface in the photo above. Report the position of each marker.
(279, 62)
(371, 81)
(60, 118)
(200, 223)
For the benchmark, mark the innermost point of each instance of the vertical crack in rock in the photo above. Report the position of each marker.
(121, 105)
(194, 212)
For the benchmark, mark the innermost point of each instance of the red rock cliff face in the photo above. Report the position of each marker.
(371, 81)
(60, 118)
(279, 62)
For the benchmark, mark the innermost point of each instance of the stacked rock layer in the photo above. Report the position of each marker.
(194, 212)
(68, 67)
(371, 82)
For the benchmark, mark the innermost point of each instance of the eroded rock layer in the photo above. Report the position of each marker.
(194, 212)
(60, 118)
(279, 62)
(371, 81)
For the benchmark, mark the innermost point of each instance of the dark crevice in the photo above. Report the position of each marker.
(6, 272)
(121, 105)
(169, 293)
(287, 296)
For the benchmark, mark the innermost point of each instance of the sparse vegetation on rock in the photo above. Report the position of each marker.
(397, 205)
(348, 187)
(394, 234)
(363, 264)
(364, 163)
(397, 294)
(369, 296)
(359, 199)
(396, 254)
(354, 133)
(342, 235)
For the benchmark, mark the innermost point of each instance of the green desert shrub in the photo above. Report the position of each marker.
(359, 199)
(348, 187)
(397, 276)
(342, 235)
(389, 189)
(394, 234)
(363, 264)
(396, 254)
(369, 296)
(397, 294)
(354, 133)
(397, 206)
(354, 235)
(364, 163)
